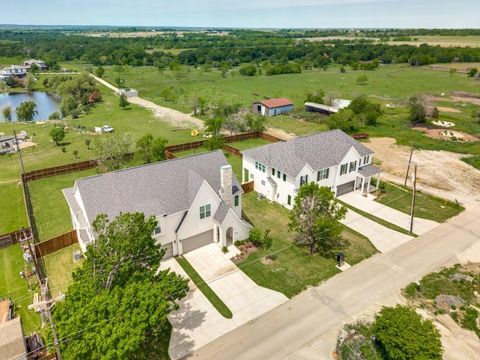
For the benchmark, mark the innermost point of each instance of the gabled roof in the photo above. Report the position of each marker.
(273, 103)
(165, 187)
(319, 151)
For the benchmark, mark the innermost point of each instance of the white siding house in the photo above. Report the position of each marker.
(196, 200)
(332, 159)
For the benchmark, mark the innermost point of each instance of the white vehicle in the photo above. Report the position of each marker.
(104, 129)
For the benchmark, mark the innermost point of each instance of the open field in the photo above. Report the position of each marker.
(15, 288)
(434, 40)
(59, 267)
(292, 268)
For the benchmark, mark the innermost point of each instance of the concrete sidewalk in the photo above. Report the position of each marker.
(383, 238)
(369, 205)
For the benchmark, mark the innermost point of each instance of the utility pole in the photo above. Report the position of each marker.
(414, 192)
(19, 151)
(408, 166)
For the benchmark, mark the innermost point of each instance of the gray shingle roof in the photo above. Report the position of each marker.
(221, 212)
(320, 151)
(165, 187)
(369, 170)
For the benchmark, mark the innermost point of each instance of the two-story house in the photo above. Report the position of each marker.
(196, 201)
(331, 158)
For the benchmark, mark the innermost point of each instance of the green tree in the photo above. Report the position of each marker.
(34, 69)
(87, 142)
(113, 150)
(123, 102)
(99, 71)
(119, 82)
(365, 111)
(118, 293)
(26, 111)
(316, 97)
(256, 122)
(57, 134)
(68, 104)
(248, 70)
(7, 113)
(343, 70)
(417, 110)
(213, 126)
(403, 335)
(472, 72)
(29, 82)
(344, 120)
(315, 218)
(149, 149)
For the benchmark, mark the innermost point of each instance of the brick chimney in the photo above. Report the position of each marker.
(226, 174)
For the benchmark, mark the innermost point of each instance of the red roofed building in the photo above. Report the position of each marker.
(272, 107)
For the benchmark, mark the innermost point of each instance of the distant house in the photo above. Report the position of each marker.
(335, 107)
(196, 201)
(7, 143)
(40, 64)
(272, 107)
(331, 158)
(129, 92)
(12, 340)
(13, 71)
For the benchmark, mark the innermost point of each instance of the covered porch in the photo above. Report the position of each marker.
(363, 181)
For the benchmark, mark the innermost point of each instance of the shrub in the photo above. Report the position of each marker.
(248, 70)
(255, 236)
(54, 116)
(410, 290)
(64, 150)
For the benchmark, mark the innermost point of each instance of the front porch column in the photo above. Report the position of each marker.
(363, 186)
(368, 186)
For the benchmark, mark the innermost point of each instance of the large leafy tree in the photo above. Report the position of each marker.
(26, 111)
(7, 113)
(315, 218)
(113, 150)
(402, 334)
(57, 134)
(118, 301)
(149, 149)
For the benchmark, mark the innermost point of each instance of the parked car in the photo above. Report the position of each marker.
(104, 129)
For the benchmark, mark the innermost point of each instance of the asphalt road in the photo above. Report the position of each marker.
(306, 326)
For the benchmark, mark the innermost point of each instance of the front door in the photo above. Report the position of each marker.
(246, 175)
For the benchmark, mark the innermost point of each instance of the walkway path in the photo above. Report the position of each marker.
(173, 117)
(306, 327)
(383, 238)
(369, 205)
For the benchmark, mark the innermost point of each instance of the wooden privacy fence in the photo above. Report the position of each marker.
(59, 242)
(247, 187)
(14, 237)
(232, 150)
(59, 170)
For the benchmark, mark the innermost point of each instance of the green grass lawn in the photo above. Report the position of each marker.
(473, 160)
(59, 267)
(15, 288)
(292, 269)
(204, 288)
(50, 208)
(426, 206)
(248, 144)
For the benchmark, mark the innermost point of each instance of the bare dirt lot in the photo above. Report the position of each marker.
(446, 134)
(440, 173)
(448, 109)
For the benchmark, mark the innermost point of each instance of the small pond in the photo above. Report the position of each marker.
(46, 103)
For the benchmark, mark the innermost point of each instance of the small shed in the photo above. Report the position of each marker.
(129, 92)
(272, 107)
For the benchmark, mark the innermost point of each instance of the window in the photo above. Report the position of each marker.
(284, 177)
(343, 169)
(157, 230)
(273, 171)
(279, 174)
(353, 166)
(205, 211)
(366, 159)
(323, 174)
(259, 166)
(263, 182)
(289, 200)
(303, 179)
(236, 200)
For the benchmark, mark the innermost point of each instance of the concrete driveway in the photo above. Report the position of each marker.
(197, 322)
(383, 238)
(369, 205)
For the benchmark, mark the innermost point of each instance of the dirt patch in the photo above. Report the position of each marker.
(446, 134)
(279, 133)
(471, 100)
(266, 261)
(440, 173)
(448, 110)
(26, 144)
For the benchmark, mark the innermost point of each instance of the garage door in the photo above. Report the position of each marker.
(168, 250)
(345, 188)
(194, 242)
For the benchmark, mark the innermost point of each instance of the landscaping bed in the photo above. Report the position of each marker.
(290, 268)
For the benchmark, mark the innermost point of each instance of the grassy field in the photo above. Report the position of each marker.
(59, 267)
(50, 208)
(473, 160)
(426, 206)
(292, 268)
(15, 288)
(248, 144)
(204, 288)
(442, 40)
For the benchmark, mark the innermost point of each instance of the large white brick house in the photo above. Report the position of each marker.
(331, 158)
(196, 201)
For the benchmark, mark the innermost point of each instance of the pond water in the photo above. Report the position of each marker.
(46, 103)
